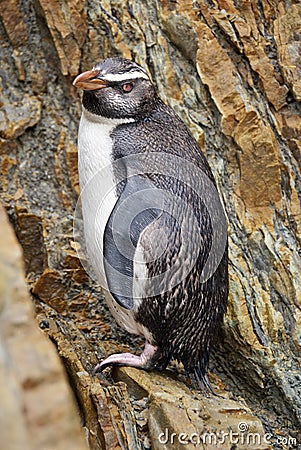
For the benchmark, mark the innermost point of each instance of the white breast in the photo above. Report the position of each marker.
(97, 185)
(98, 198)
(95, 146)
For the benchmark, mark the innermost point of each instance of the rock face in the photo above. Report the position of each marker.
(177, 419)
(232, 71)
(37, 406)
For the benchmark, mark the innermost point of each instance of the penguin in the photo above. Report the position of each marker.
(154, 225)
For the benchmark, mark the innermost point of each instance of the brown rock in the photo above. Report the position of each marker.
(16, 118)
(71, 160)
(14, 22)
(117, 419)
(254, 47)
(244, 34)
(287, 36)
(65, 160)
(259, 164)
(108, 415)
(181, 419)
(7, 146)
(289, 126)
(259, 169)
(7, 163)
(75, 268)
(59, 164)
(38, 408)
(29, 229)
(68, 28)
(217, 71)
(50, 289)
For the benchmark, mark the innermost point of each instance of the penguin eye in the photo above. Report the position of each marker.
(127, 87)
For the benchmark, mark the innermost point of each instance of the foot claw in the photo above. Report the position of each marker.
(112, 360)
(98, 369)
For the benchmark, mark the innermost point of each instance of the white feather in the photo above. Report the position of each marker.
(98, 194)
(122, 76)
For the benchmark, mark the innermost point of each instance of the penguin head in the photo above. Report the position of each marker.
(117, 88)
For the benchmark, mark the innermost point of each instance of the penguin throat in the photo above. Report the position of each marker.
(92, 117)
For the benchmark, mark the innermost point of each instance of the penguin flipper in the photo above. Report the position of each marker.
(137, 207)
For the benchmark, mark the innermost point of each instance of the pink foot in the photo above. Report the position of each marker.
(147, 359)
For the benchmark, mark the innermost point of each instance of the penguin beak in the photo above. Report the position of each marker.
(88, 81)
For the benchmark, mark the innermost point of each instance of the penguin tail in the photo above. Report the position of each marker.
(201, 381)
